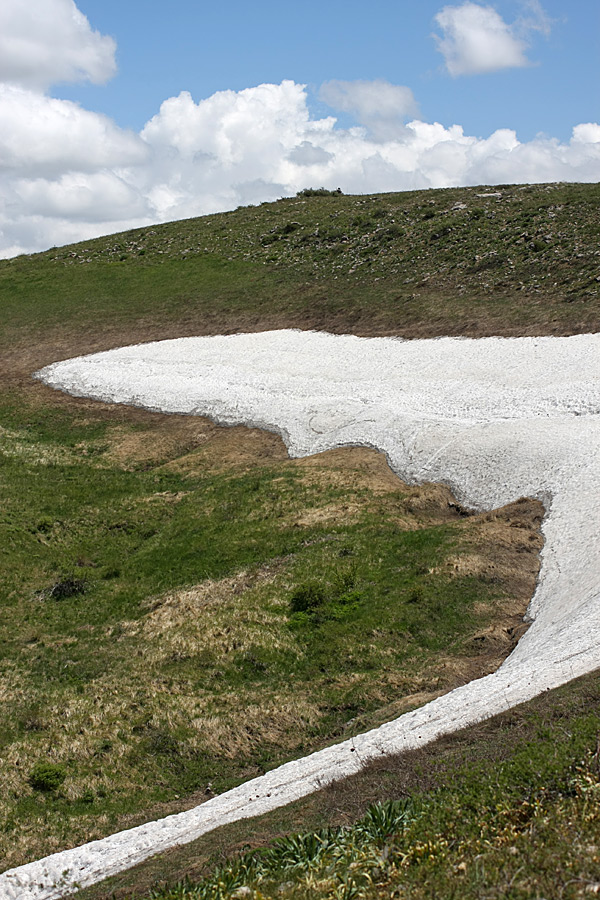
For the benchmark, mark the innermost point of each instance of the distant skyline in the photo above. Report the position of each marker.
(117, 115)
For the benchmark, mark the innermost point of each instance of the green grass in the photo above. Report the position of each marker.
(154, 634)
(507, 809)
(442, 261)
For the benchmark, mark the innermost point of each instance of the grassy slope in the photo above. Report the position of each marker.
(439, 262)
(180, 620)
(435, 262)
(509, 809)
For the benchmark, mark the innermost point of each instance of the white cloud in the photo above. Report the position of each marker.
(79, 175)
(231, 125)
(99, 197)
(45, 136)
(46, 41)
(211, 155)
(476, 39)
(67, 173)
(380, 106)
(587, 133)
(306, 154)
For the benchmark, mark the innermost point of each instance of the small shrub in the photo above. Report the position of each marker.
(307, 597)
(290, 227)
(384, 820)
(46, 776)
(68, 587)
(365, 223)
(344, 579)
(394, 231)
(416, 596)
(319, 192)
(299, 851)
(44, 526)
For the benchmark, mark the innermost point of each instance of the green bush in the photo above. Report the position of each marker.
(307, 597)
(319, 192)
(46, 776)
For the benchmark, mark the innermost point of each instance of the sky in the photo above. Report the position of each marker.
(116, 115)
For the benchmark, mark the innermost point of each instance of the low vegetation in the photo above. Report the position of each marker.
(508, 260)
(183, 607)
(175, 624)
(506, 809)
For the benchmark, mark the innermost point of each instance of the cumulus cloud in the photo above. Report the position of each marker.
(476, 39)
(100, 196)
(586, 133)
(380, 106)
(236, 148)
(45, 136)
(46, 41)
(206, 155)
(306, 154)
(67, 173)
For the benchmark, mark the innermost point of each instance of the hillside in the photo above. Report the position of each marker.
(184, 606)
(473, 261)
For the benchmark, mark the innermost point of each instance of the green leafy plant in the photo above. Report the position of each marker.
(47, 776)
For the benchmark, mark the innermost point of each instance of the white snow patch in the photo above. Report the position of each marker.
(496, 419)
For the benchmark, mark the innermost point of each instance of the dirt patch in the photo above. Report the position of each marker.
(329, 514)
(347, 464)
(225, 449)
(166, 438)
(506, 545)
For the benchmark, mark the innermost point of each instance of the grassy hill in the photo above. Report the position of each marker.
(183, 607)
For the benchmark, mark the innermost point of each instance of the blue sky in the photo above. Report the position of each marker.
(204, 48)
(116, 114)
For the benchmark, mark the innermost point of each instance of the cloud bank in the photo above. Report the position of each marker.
(380, 106)
(68, 174)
